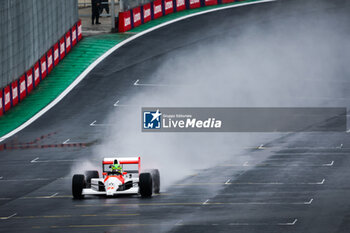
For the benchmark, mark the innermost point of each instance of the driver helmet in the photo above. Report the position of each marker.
(116, 167)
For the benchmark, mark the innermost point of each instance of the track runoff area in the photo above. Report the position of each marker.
(298, 183)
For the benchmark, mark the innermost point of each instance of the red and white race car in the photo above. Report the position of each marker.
(130, 181)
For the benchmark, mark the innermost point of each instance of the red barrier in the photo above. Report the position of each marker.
(56, 56)
(62, 48)
(7, 98)
(29, 80)
(22, 86)
(49, 61)
(227, 1)
(19, 89)
(157, 9)
(43, 67)
(124, 21)
(1, 108)
(14, 93)
(80, 30)
(180, 5)
(136, 13)
(147, 12)
(74, 35)
(68, 42)
(195, 4)
(210, 2)
(168, 7)
(36, 77)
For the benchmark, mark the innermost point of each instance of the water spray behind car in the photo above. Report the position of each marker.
(267, 67)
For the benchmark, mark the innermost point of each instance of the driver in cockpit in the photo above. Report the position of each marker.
(117, 168)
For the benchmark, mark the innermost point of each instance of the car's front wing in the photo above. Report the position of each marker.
(89, 191)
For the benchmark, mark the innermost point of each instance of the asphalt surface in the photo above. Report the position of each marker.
(298, 183)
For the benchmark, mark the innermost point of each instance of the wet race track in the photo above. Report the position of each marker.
(293, 183)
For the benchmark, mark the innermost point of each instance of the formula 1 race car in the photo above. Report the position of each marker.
(130, 180)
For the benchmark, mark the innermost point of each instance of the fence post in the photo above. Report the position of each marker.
(113, 16)
(121, 5)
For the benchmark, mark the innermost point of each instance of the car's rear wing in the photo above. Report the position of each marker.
(123, 160)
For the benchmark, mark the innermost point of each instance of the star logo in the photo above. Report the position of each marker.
(156, 115)
(152, 119)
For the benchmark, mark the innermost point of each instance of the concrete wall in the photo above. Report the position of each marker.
(28, 28)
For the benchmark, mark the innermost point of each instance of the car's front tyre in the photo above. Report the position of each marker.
(145, 184)
(78, 184)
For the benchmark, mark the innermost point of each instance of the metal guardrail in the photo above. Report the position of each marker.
(130, 4)
(124, 4)
(87, 3)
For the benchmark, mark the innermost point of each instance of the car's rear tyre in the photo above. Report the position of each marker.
(156, 180)
(90, 175)
(78, 184)
(146, 184)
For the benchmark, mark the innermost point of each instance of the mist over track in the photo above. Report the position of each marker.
(289, 53)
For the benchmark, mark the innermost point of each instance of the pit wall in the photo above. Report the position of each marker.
(132, 18)
(17, 90)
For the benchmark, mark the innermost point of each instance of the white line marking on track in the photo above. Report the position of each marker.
(304, 148)
(45, 197)
(309, 202)
(53, 195)
(65, 142)
(264, 203)
(203, 203)
(322, 182)
(340, 146)
(263, 224)
(109, 52)
(34, 160)
(5, 218)
(329, 164)
(241, 223)
(255, 183)
(57, 161)
(179, 223)
(93, 124)
(316, 183)
(116, 103)
(246, 164)
(36, 179)
(289, 223)
(206, 202)
(137, 83)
